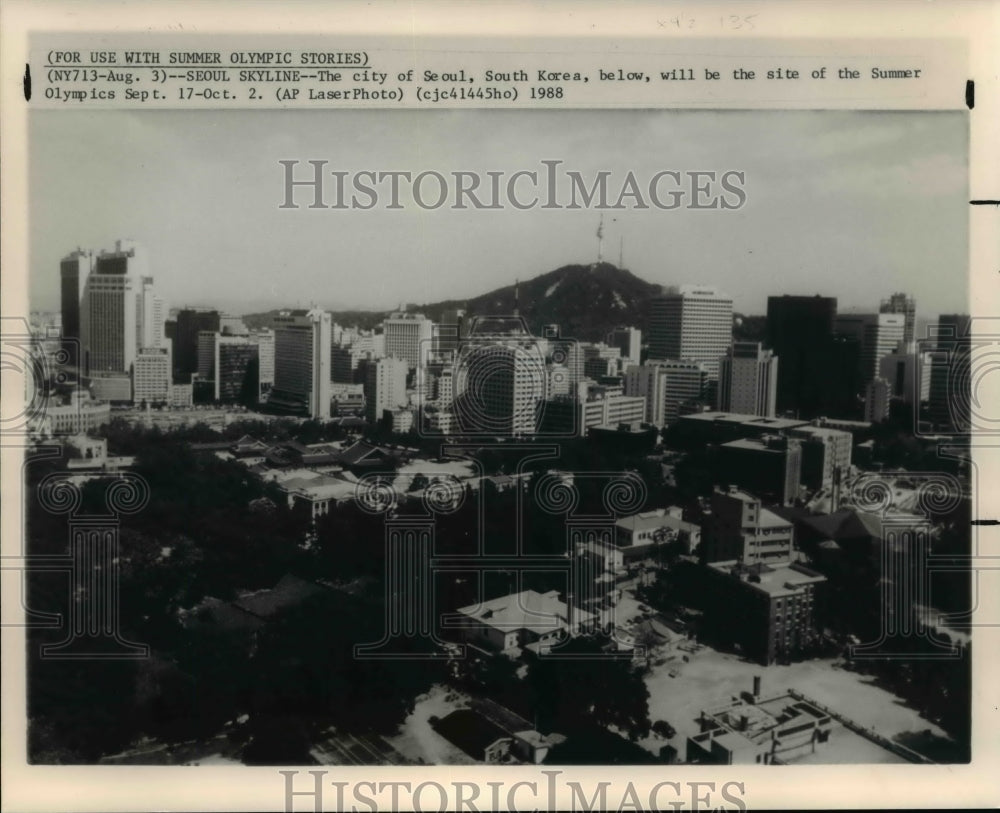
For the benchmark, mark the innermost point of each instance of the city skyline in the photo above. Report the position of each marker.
(886, 213)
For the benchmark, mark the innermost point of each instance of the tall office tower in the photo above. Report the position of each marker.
(908, 374)
(207, 340)
(800, 333)
(151, 376)
(667, 387)
(237, 370)
(691, 323)
(190, 323)
(408, 336)
(906, 305)
(384, 386)
(265, 355)
(748, 380)
(878, 334)
(500, 386)
(151, 312)
(629, 341)
(838, 365)
(950, 395)
(878, 394)
(73, 272)
(110, 319)
(302, 363)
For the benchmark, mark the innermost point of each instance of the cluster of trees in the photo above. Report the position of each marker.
(129, 437)
(209, 529)
(579, 694)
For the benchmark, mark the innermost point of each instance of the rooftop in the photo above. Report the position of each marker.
(741, 419)
(768, 519)
(322, 487)
(538, 612)
(776, 581)
(650, 520)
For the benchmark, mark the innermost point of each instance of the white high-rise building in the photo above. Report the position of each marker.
(691, 323)
(265, 343)
(906, 305)
(152, 376)
(302, 362)
(384, 386)
(408, 336)
(748, 380)
(878, 335)
(111, 321)
(151, 313)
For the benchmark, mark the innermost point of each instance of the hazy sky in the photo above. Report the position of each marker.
(850, 204)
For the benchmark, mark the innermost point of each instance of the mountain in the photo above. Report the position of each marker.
(586, 301)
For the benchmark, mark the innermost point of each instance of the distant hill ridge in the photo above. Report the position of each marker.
(586, 301)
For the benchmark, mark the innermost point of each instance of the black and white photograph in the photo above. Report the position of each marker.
(683, 366)
(495, 438)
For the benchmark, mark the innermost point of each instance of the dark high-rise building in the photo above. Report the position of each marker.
(799, 331)
(237, 371)
(191, 322)
(73, 271)
(950, 397)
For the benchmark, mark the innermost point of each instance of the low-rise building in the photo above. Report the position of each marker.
(522, 620)
(758, 730)
(79, 415)
(639, 536)
(771, 611)
(771, 465)
(320, 494)
(826, 455)
(740, 528)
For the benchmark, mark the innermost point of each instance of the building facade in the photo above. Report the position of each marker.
(771, 465)
(800, 333)
(691, 323)
(302, 363)
(748, 380)
(628, 340)
(152, 376)
(408, 336)
(384, 386)
(878, 335)
(73, 272)
(110, 320)
(906, 305)
(740, 529)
